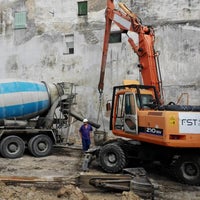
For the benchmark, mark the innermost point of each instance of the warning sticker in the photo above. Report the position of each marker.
(172, 121)
(189, 122)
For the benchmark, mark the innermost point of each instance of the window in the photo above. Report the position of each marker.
(120, 106)
(147, 100)
(119, 123)
(68, 44)
(20, 20)
(115, 37)
(82, 8)
(130, 105)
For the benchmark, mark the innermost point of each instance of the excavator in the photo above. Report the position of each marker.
(147, 130)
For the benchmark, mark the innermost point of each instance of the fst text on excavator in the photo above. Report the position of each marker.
(148, 129)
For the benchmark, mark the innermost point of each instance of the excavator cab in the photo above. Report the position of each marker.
(127, 101)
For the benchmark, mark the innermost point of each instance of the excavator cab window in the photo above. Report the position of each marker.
(120, 112)
(129, 105)
(130, 116)
(145, 101)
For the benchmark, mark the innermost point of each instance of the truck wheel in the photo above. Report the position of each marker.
(112, 158)
(187, 169)
(12, 147)
(40, 145)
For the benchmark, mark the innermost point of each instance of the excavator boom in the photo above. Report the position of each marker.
(126, 20)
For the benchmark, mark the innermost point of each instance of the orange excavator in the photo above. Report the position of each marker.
(148, 129)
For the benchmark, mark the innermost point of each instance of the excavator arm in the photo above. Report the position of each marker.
(126, 20)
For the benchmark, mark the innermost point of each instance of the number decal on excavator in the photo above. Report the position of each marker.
(153, 131)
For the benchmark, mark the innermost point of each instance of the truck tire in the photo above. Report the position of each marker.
(40, 145)
(187, 169)
(112, 158)
(12, 147)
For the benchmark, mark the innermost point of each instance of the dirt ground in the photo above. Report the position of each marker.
(67, 163)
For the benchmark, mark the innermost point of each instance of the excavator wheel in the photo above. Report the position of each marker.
(187, 169)
(112, 158)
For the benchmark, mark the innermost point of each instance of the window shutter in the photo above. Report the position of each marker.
(115, 37)
(20, 20)
(82, 8)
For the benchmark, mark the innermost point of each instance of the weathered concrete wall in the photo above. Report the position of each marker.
(37, 52)
(177, 28)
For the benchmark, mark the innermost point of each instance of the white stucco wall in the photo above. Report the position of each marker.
(36, 53)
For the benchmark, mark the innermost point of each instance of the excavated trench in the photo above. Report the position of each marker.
(39, 178)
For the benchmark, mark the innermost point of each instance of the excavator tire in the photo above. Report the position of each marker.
(112, 158)
(187, 169)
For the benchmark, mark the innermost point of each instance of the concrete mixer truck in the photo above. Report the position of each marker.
(31, 115)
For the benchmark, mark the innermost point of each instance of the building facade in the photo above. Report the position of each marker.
(59, 40)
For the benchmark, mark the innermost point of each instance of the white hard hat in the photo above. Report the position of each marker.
(85, 120)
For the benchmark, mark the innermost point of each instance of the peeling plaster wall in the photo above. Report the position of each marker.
(36, 52)
(177, 29)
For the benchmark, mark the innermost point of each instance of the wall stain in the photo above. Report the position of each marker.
(11, 64)
(49, 60)
(90, 37)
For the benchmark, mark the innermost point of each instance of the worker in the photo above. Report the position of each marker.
(85, 132)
